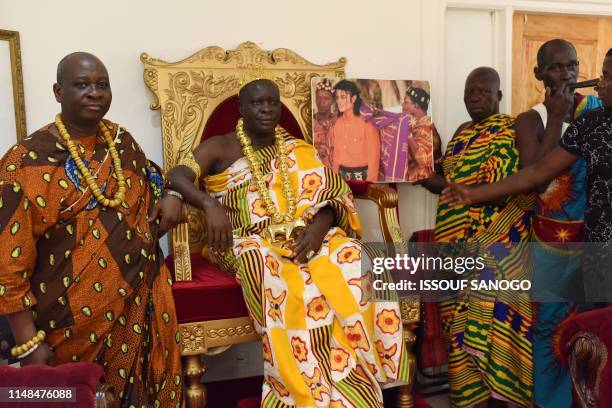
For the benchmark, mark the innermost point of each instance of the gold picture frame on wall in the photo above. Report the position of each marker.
(11, 86)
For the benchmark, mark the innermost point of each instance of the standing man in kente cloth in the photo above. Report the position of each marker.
(590, 138)
(489, 335)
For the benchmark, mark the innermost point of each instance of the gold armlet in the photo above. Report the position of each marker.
(190, 162)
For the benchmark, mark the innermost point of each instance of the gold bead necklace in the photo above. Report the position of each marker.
(89, 178)
(255, 165)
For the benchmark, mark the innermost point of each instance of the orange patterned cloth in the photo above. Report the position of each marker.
(93, 275)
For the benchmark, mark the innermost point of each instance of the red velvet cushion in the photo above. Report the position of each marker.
(211, 295)
(225, 116)
(84, 377)
(253, 402)
(358, 187)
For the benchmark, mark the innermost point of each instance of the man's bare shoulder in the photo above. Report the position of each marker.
(217, 145)
(530, 117)
(529, 122)
(220, 140)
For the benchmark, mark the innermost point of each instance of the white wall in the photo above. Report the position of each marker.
(464, 27)
(322, 31)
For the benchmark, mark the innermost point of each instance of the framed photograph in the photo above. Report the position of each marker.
(372, 129)
(12, 105)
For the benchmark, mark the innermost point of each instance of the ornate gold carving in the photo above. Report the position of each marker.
(197, 230)
(588, 356)
(231, 331)
(410, 310)
(193, 338)
(404, 396)
(150, 78)
(202, 337)
(188, 91)
(195, 392)
(17, 80)
(182, 258)
(194, 367)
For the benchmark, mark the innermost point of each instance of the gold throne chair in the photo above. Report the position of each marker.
(197, 98)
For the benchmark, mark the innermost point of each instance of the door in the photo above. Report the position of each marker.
(592, 37)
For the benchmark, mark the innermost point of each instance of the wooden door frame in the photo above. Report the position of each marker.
(433, 60)
(435, 67)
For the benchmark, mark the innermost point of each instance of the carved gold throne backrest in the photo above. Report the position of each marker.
(188, 91)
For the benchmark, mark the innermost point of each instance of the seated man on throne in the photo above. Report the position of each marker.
(283, 223)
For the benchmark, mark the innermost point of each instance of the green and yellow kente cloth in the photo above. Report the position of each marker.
(489, 334)
(324, 343)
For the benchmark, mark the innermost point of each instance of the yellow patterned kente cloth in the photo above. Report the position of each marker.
(489, 334)
(324, 343)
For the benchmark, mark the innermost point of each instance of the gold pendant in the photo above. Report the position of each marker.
(279, 234)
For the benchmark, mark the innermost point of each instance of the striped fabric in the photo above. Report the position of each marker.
(489, 334)
(324, 342)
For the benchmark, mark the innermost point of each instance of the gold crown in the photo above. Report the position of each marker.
(254, 73)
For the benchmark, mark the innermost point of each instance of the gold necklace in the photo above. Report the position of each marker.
(89, 178)
(255, 166)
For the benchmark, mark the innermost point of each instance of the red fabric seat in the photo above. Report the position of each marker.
(83, 377)
(211, 295)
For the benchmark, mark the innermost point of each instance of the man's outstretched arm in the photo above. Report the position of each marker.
(182, 180)
(525, 180)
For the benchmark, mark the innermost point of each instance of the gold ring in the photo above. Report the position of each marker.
(310, 254)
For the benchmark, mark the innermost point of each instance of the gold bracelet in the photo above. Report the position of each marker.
(190, 162)
(27, 346)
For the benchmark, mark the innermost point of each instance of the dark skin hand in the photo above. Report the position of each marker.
(311, 237)
(24, 330)
(542, 171)
(260, 107)
(539, 173)
(437, 183)
(534, 140)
